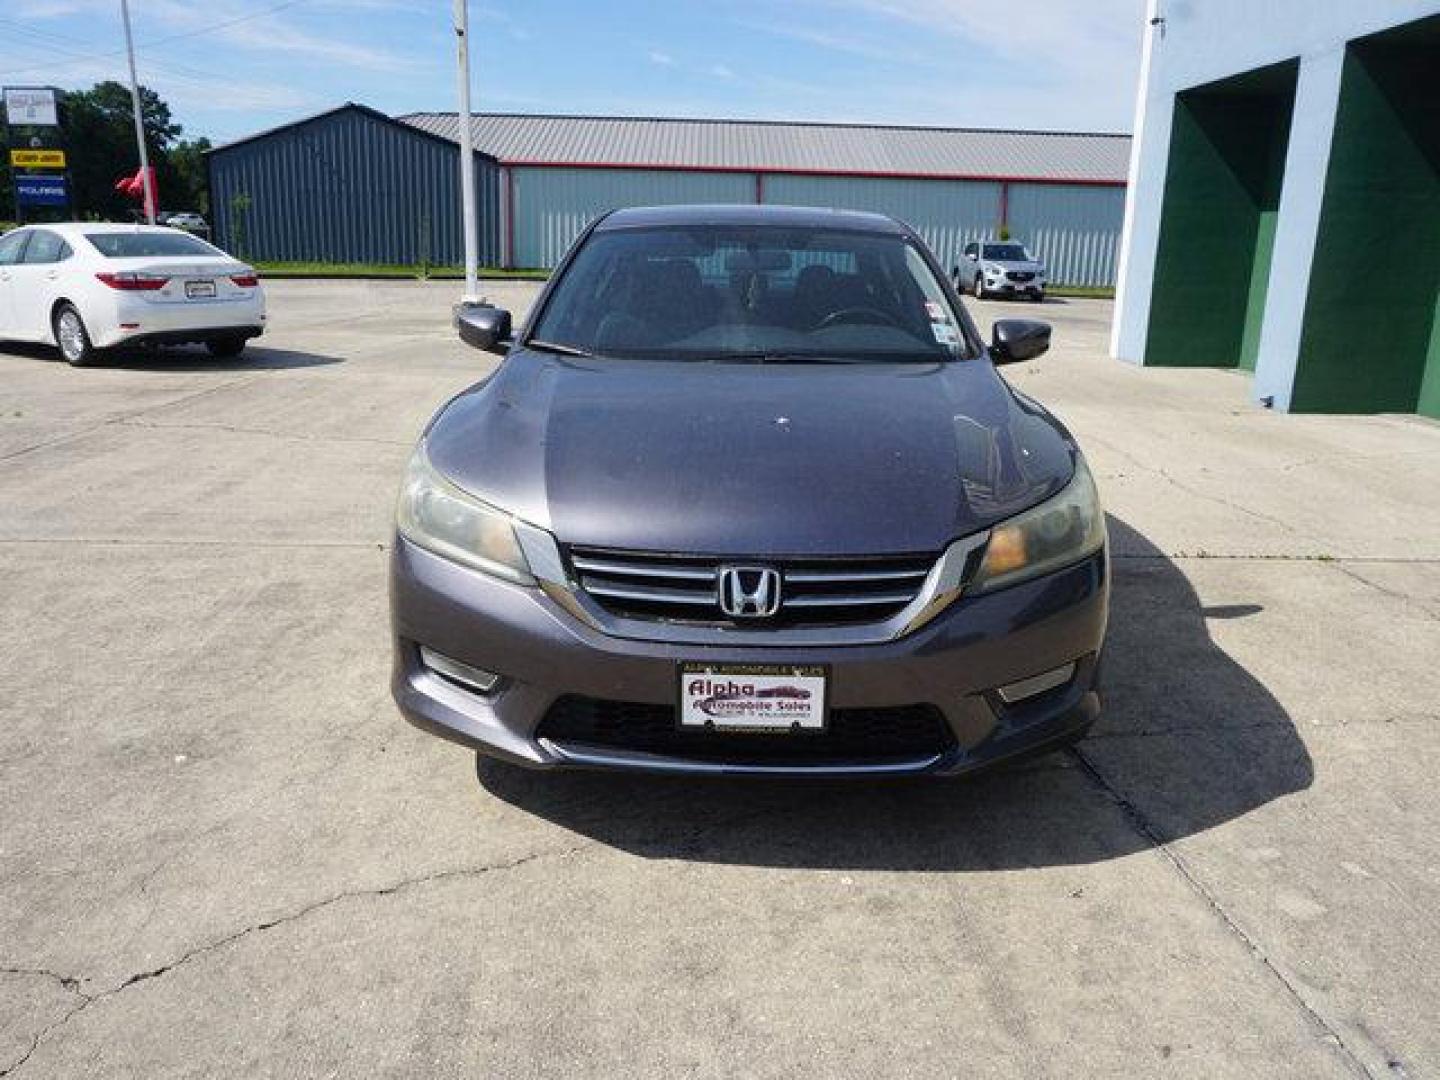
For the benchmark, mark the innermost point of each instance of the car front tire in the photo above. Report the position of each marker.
(978, 288)
(226, 348)
(72, 337)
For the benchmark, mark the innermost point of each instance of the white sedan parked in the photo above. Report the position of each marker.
(90, 286)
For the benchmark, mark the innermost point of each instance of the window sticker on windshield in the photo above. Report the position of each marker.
(945, 334)
(936, 312)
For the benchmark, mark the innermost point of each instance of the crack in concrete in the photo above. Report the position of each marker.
(85, 1000)
(124, 416)
(1151, 834)
(1263, 725)
(1195, 492)
(1189, 732)
(111, 541)
(68, 983)
(1384, 590)
(237, 429)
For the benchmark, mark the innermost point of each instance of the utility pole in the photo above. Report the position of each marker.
(139, 119)
(467, 154)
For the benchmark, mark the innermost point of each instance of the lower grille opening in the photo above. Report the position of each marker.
(852, 737)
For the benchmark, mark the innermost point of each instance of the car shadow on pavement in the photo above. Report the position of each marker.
(1188, 740)
(183, 358)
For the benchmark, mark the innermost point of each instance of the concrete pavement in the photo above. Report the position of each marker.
(223, 852)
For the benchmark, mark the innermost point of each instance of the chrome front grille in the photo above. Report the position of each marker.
(1020, 275)
(813, 592)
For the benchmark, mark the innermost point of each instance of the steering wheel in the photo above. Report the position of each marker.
(858, 315)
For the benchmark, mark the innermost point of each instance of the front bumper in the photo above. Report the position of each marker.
(1005, 287)
(954, 663)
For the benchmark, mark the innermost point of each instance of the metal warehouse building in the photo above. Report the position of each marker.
(1285, 211)
(355, 185)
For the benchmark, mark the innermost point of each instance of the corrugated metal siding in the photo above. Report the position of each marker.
(1076, 230)
(553, 206)
(349, 187)
(947, 213)
(757, 145)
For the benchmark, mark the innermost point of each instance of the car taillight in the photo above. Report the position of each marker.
(132, 282)
(245, 281)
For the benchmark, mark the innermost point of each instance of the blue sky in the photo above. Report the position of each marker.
(230, 67)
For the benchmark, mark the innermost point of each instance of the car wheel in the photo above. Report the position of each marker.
(73, 338)
(225, 348)
(1038, 297)
(979, 287)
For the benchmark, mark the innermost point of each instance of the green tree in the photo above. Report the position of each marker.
(99, 133)
(100, 130)
(7, 191)
(192, 185)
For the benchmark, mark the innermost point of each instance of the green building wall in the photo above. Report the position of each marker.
(1371, 337)
(1222, 196)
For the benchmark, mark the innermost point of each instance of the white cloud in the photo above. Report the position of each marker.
(664, 59)
(1071, 35)
(262, 36)
(1075, 62)
(853, 44)
(720, 71)
(235, 23)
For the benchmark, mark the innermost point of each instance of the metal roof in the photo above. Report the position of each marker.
(770, 146)
(751, 214)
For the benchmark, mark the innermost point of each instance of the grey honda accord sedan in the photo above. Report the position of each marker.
(747, 495)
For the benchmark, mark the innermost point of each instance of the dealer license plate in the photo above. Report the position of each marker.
(752, 697)
(199, 290)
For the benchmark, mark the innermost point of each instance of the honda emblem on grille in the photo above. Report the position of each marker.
(749, 591)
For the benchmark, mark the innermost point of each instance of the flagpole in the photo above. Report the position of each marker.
(467, 153)
(139, 120)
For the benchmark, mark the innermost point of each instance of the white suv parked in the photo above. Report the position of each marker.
(1000, 268)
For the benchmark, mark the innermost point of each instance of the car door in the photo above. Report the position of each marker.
(12, 248)
(970, 265)
(37, 283)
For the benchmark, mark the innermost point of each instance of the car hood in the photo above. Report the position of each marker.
(751, 459)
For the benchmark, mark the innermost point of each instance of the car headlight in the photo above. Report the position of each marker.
(436, 515)
(994, 271)
(1064, 529)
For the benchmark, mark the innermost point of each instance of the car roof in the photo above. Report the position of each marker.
(750, 214)
(74, 228)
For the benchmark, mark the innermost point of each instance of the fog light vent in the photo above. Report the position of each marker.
(472, 678)
(1037, 684)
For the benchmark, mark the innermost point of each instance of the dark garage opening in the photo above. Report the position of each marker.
(1371, 339)
(1217, 229)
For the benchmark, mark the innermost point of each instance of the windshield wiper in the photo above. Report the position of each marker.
(779, 356)
(556, 347)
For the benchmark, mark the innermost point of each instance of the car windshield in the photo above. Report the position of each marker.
(721, 292)
(1007, 252)
(126, 245)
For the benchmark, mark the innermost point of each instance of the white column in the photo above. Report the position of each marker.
(468, 217)
(1302, 195)
(1144, 199)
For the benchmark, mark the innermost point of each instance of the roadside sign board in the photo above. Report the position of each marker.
(37, 159)
(41, 191)
(31, 106)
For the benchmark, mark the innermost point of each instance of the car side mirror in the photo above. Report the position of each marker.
(1014, 340)
(484, 327)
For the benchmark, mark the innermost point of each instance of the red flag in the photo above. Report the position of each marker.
(133, 187)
